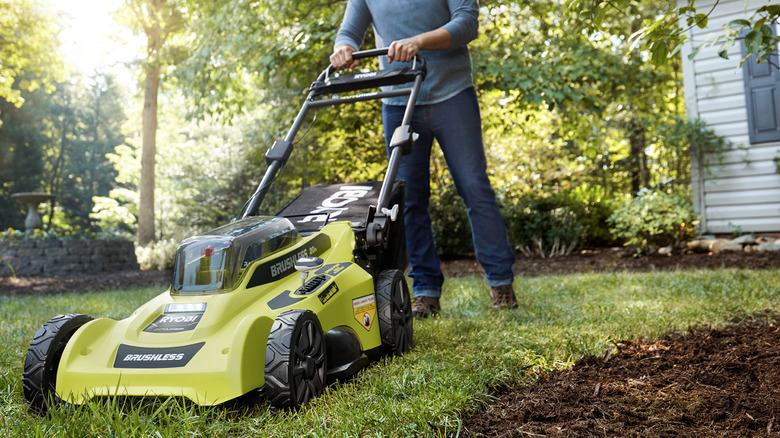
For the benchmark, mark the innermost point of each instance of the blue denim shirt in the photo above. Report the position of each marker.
(449, 72)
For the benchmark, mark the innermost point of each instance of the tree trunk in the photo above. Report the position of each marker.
(640, 175)
(149, 150)
(154, 41)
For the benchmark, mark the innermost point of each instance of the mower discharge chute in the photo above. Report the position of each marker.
(283, 304)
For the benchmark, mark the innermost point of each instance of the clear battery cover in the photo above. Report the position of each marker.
(213, 262)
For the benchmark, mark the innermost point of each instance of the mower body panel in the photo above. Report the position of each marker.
(210, 346)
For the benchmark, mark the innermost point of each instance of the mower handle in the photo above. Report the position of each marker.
(327, 84)
(280, 151)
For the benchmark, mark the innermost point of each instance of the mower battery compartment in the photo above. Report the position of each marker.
(214, 261)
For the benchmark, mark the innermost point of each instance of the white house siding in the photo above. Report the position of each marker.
(737, 189)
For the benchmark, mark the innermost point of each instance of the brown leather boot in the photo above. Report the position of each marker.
(422, 307)
(503, 297)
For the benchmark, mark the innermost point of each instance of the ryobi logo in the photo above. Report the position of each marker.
(366, 75)
(337, 203)
(179, 318)
(172, 323)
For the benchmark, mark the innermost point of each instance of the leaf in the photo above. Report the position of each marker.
(740, 22)
(695, 52)
(660, 53)
(753, 41)
(770, 9)
(702, 20)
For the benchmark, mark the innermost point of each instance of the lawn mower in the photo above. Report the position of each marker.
(279, 304)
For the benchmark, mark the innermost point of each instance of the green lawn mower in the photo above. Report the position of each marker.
(282, 304)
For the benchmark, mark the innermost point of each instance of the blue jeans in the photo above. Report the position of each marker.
(457, 126)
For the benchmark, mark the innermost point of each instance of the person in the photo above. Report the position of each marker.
(447, 110)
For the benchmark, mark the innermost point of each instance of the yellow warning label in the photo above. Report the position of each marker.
(364, 310)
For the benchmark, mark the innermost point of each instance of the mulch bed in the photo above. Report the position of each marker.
(84, 282)
(720, 382)
(592, 260)
(621, 259)
(715, 383)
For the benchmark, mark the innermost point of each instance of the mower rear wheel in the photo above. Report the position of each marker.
(295, 360)
(394, 309)
(39, 377)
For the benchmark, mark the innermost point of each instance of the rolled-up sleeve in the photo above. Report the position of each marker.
(353, 28)
(464, 25)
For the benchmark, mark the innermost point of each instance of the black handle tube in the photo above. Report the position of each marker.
(262, 189)
(275, 166)
(371, 53)
(395, 154)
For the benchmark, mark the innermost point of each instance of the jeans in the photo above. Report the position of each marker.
(457, 126)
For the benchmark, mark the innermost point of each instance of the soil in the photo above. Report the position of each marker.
(714, 383)
(718, 382)
(590, 260)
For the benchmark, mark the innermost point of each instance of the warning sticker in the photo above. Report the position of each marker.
(365, 310)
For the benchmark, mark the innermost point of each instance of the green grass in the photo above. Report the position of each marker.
(456, 360)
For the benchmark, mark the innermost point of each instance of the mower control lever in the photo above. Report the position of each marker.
(304, 265)
(392, 213)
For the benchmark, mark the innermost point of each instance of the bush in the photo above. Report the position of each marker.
(654, 219)
(158, 255)
(450, 223)
(77, 233)
(592, 207)
(543, 225)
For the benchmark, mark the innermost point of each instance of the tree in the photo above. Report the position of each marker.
(663, 36)
(87, 118)
(24, 138)
(159, 20)
(29, 50)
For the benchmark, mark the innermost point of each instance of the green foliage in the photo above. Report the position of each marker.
(29, 51)
(77, 233)
(57, 143)
(450, 222)
(543, 226)
(654, 219)
(159, 255)
(663, 36)
(25, 135)
(592, 207)
(114, 213)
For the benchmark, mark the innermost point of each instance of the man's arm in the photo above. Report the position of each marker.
(405, 49)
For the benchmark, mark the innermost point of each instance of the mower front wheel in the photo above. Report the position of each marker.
(295, 360)
(39, 377)
(394, 309)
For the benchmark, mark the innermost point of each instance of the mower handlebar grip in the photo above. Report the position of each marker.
(372, 53)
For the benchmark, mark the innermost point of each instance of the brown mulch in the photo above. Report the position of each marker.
(715, 383)
(621, 259)
(721, 382)
(592, 260)
(84, 282)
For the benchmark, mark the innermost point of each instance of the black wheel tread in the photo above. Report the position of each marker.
(280, 367)
(394, 312)
(40, 364)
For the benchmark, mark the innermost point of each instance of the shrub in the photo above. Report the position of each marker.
(158, 255)
(543, 225)
(592, 207)
(77, 233)
(654, 219)
(450, 223)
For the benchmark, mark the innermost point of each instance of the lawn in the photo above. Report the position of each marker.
(456, 360)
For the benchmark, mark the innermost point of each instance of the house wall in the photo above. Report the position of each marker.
(738, 189)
